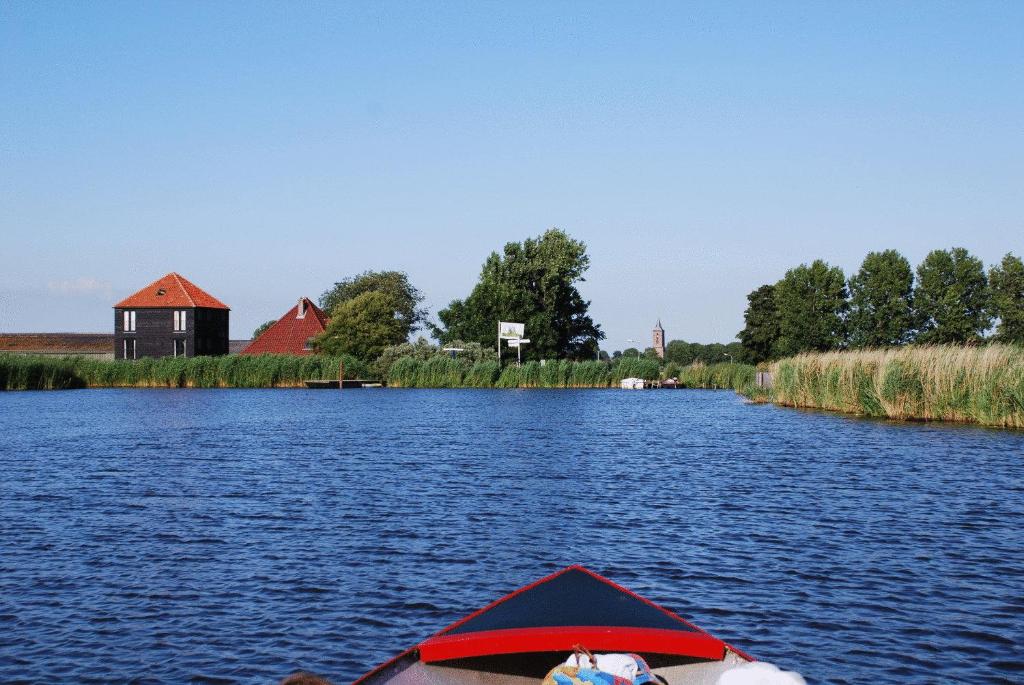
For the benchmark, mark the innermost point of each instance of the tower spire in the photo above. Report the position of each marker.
(658, 339)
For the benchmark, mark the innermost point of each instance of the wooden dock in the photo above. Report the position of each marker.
(354, 383)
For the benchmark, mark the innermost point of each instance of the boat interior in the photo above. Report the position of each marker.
(530, 669)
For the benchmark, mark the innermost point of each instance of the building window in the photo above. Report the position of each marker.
(179, 348)
(129, 348)
(179, 320)
(129, 322)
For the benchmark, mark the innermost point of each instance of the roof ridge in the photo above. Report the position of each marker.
(178, 278)
(179, 291)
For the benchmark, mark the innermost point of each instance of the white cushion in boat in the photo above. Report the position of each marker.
(621, 665)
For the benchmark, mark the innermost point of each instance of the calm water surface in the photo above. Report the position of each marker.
(235, 535)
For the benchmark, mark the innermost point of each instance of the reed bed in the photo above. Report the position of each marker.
(983, 385)
(285, 371)
(19, 372)
(726, 375)
(444, 372)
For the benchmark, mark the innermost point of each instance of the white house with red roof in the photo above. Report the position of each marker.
(170, 317)
(293, 333)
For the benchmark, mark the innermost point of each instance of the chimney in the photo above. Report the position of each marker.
(302, 308)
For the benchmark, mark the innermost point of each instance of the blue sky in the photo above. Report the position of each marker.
(266, 150)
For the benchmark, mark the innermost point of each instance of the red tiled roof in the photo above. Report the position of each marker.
(290, 333)
(57, 343)
(173, 290)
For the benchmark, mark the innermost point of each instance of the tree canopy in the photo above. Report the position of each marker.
(394, 285)
(760, 335)
(811, 303)
(262, 328)
(952, 297)
(1006, 281)
(533, 282)
(363, 326)
(685, 353)
(881, 301)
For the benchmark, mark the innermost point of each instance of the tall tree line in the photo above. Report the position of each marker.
(950, 299)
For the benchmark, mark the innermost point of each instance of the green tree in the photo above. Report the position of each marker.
(760, 335)
(735, 351)
(262, 328)
(684, 353)
(394, 285)
(952, 297)
(680, 352)
(363, 326)
(533, 282)
(881, 301)
(811, 303)
(1007, 283)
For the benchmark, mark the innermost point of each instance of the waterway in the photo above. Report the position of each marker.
(237, 535)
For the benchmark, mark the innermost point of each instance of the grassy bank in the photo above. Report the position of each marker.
(444, 372)
(19, 372)
(730, 376)
(983, 385)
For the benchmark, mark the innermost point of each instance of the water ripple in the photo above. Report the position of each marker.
(236, 536)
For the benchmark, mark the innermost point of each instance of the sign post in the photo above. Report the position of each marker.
(507, 330)
(518, 344)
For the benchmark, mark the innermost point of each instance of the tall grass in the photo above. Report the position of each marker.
(283, 371)
(717, 376)
(19, 372)
(443, 372)
(983, 385)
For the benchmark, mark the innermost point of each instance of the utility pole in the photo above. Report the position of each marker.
(630, 340)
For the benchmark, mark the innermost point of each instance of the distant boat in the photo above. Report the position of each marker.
(632, 384)
(519, 638)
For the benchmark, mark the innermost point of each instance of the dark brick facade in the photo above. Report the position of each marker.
(206, 333)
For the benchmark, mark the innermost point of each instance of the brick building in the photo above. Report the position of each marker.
(170, 317)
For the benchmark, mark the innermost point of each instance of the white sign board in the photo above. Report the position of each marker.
(508, 330)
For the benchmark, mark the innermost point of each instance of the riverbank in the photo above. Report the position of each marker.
(19, 372)
(283, 371)
(445, 372)
(982, 385)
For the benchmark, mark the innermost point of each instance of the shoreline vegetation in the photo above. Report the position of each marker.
(965, 384)
(982, 385)
(444, 372)
(28, 372)
(25, 372)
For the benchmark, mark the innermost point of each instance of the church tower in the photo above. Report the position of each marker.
(659, 340)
